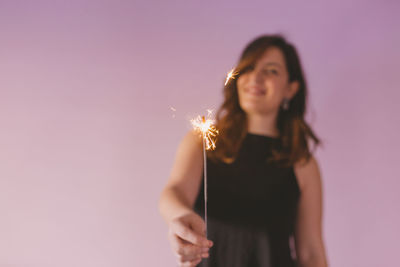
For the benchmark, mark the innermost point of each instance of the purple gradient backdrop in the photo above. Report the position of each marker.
(88, 136)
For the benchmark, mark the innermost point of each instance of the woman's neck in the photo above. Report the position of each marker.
(264, 124)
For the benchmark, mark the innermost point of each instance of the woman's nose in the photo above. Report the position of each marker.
(256, 76)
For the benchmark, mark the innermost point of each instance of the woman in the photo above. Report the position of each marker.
(264, 185)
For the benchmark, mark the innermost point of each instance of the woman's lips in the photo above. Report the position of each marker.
(257, 91)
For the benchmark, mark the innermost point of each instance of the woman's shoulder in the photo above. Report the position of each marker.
(191, 143)
(192, 138)
(307, 172)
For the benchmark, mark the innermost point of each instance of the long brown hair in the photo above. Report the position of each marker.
(294, 131)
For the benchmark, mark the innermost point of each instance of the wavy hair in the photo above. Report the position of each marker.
(231, 120)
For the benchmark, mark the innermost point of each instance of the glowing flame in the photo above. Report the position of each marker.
(206, 128)
(230, 75)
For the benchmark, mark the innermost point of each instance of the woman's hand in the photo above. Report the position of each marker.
(188, 240)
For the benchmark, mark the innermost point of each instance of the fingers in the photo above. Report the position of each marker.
(186, 251)
(192, 263)
(198, 226)
(188, 240)
(181, 230)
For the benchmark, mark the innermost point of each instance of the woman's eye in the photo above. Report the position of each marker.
(267, 71)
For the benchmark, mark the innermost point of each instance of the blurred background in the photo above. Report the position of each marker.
(95, 96)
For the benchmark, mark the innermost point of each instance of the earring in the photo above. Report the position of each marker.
(285, 104)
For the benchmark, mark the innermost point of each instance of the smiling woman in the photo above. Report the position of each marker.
(264, 185)
(270, 86)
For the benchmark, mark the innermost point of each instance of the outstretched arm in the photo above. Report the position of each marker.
(179, 194)
(186, 228)
(310, 248)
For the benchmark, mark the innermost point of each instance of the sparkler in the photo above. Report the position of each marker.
(230, 75)
(206, 128)
(208, 132)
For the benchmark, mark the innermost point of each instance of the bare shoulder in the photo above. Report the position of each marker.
(307, 173)
(191, 142)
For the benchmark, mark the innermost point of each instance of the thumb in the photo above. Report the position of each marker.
(198, 225)
(185, 231)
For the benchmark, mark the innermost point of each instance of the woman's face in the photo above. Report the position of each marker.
(263, 87)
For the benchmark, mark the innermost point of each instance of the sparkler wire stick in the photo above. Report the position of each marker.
(208, 133)
(205, 181)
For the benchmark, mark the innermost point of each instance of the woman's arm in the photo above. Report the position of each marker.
(308, 233)
(180, 192)
(186, 228)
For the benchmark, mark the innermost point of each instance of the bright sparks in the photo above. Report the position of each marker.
(230, 75)
(173, 109)
(207, 129)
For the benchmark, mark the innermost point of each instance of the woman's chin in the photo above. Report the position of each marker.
(256, 110)
(253, 110)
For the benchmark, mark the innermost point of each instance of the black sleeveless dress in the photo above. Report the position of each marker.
(251, 208)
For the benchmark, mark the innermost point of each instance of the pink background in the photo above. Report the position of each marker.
(87, 135)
